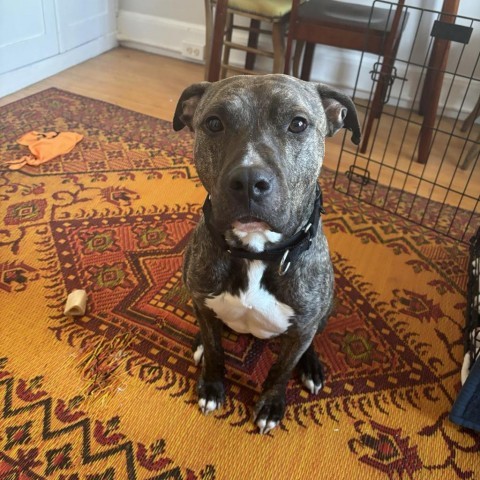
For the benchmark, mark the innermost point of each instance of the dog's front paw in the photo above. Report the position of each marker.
(211, 395)
(311, 372)
(312, 383)
(269, 410)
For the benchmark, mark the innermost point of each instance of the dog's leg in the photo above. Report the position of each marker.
(197, 348)
(270, 408)
(311, 371)
(210, 389)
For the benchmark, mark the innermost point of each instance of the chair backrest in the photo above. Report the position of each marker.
(347, 25)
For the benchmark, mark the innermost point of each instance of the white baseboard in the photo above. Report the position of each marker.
(23, 77)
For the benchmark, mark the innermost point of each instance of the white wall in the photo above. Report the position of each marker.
(39, 38)
(189, 11)
(162, 26)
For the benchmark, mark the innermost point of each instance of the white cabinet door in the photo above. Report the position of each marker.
(81, 21)
(27, 32)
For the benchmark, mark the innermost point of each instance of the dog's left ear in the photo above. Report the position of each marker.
(187, 105)
(340, 112)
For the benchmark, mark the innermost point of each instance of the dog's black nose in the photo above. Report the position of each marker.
(251, 183)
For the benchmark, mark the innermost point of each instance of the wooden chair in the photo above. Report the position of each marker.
(273, 12)
(351, 26)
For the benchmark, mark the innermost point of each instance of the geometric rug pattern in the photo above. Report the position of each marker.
(113, 217)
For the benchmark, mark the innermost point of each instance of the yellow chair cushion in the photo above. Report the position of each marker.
(263, 8)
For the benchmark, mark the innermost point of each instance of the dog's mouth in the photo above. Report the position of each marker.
(250, 225)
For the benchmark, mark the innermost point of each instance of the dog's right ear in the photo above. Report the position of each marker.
(187, 105)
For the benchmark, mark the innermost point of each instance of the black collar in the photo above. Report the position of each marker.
(286, 251)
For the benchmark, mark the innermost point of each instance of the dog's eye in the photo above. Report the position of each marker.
(297, 125)
(214, 124)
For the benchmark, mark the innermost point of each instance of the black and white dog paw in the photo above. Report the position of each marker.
(313, 385)
(269, 411)
(211, 396)
(311, 372)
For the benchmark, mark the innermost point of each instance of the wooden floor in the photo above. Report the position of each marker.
(151, 84)
(136, 80)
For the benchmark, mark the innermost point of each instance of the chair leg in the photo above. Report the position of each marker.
(428, 124)
(217, 41)
(449, 11)
(208, 34)
(436, 68)
(471, 154)
(253, 43)
(468, 122)
(278, 41)
(297, 57)
(367, 130)
(433, 83)
(377, 101)
(288, 53)
(226, 48)
(307, 61)
(389, 56)
(385, 77)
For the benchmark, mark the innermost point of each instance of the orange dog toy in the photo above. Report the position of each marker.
(44, 147)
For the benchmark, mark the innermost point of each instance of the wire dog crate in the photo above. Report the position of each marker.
(420, 155)
(472, 336)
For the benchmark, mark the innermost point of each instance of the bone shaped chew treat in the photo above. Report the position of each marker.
(76, 303)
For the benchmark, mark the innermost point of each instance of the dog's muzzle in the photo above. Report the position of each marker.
(286, 251)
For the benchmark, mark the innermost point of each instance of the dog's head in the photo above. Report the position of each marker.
(259, 147)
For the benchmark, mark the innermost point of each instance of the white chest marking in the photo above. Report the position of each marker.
(257, 240)
(255, 311)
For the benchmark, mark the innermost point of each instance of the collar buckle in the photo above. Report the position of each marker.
(283, 267)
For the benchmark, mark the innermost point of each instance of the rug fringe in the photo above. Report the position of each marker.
(102, 365)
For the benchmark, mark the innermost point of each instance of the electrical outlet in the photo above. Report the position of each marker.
(192, 50)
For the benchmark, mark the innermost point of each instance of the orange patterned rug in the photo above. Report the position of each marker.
(111, 395)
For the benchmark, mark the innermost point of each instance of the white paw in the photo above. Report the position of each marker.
(265, 426)
(207, 407)
(198, 355)
(310, 385)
